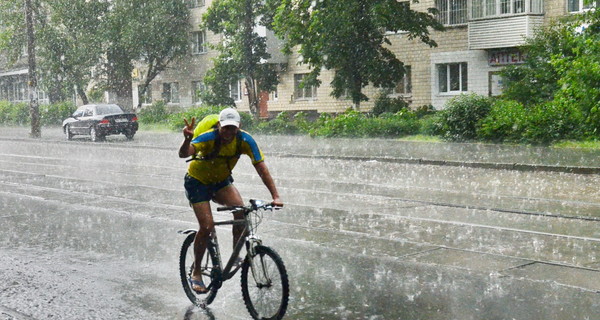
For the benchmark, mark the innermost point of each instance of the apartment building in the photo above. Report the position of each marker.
(13, 82)
(481, 37)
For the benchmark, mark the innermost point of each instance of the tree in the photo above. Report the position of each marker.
(71, 45)
(536, 80)
(162, 42)
(348, 36)
(243, 53)
(13, 31)
(562, 68)
(18, 30)
(151, 31)
(34, 109)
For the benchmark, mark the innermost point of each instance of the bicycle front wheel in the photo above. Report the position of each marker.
(208, 268)
(265, 285)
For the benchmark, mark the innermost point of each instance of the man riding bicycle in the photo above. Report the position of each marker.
(216, 153)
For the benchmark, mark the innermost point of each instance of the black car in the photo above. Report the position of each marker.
(100, 120)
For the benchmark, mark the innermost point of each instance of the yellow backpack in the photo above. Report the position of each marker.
(206, 124)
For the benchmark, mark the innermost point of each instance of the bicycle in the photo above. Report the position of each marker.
(264, 279)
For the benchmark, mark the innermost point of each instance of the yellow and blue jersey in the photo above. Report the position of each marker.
(218, 168)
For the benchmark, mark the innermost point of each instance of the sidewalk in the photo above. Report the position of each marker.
(477, 155)
(511, 157)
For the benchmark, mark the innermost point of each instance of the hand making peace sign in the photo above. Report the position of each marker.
(188, 130)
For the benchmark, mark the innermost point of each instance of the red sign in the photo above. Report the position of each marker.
(503, 58)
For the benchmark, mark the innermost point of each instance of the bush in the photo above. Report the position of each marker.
(431, 124)
(347, 124)
(175, 121)
(424, 110)
(506, 121)
(385, 104)
(355, 124)
(460, 117)
(54, 114)
(387, 125)
(552, 122)
(302, 123)
(282, 124)
(14, 113)
(154, 113)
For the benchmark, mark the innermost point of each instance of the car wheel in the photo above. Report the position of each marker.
(68, 132)
(94, 135)
(129, 135)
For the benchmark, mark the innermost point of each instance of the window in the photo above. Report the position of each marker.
(452, 12)
(404, 86)
(490, 8)
(171, 92)
(235, 90)
(78, 113)
(146, 97)
(199, 42)
(89, 111)
(452, 77)
(195, 3)
(197, 88)
(580, 5)
(303, 92)
(274, 95)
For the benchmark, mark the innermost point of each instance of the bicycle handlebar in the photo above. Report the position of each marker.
(254, 206)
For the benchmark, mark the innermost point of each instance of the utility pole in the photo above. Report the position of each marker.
(34, 109)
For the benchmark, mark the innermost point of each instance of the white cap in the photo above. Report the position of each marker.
(229, 117)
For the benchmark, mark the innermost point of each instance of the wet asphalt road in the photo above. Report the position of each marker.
(89, 231)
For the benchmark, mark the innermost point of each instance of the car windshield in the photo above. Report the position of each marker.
(108, 109)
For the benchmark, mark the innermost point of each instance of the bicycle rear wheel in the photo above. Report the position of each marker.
(209, 272)
(265, 286)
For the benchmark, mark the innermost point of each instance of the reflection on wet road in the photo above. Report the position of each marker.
(89, 231)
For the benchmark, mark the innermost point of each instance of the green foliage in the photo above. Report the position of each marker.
(347, 124)
(506, 121)
(347, 37)
(430, 124)
(561, 72)
(96, 94)
(282, 124)
(384, 103)
(242, 55)
(552, 122)
(536, 80)
(397, 124)
(54, 114)
(355, 124)
(154, 113)
(285, 124)
(74, 36)
(461, 115)
(302, 123)
(510, 121)
(13, 29)
(18, 113)
(176, 120)
(14, 113)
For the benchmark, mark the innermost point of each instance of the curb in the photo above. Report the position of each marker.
(451, 163)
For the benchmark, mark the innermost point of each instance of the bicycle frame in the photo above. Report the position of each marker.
(248, 238)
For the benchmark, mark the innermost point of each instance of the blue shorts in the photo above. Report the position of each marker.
(196, 191)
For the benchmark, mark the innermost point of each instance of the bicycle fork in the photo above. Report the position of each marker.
(257, 266)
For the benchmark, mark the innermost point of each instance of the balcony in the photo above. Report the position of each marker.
(503, 23)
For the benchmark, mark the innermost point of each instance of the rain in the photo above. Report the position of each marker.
(89, 230)
(377, 229)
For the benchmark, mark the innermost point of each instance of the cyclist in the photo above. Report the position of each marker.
(208, 177)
